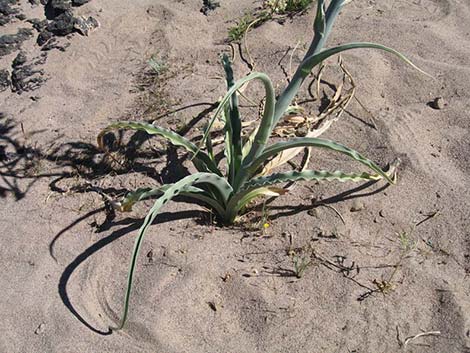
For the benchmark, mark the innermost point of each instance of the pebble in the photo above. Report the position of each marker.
(319, 232)
(85, 25)
(438, 103)
(40, 329)
(313, 212)
(150, 257)
(357, 206)
(213, 306)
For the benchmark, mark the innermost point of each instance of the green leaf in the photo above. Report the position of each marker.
(309, 63)
(307, 175)
(237, 203)
(256, 186)
(265, 127)
(233, 123)
(147, 193)
(323, 26)
(319, 25)
(171, 136)
(172, 191)
(276, 148)
(315, 58)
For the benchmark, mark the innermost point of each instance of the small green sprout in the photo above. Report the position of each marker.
(238, 31)
(300, 265)
(283, 7)
(407, 242)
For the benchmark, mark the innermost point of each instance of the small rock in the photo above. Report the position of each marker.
(357, 206)
(438, 103)
(54, 44)
(208, 6)
(62, 24)
(40, 329)
(38, 25)
(382, 214)
(11, 42)
(4, 80)
(301, 131)
(150, 256)
(61, 5)
(85, 25)
(25, 77)
(313, 212)
(8, 10)
(44, 37)
(319, 232)
(79, 2)
(19, 60)
(213, 306)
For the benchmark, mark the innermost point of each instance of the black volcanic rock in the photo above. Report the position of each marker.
(19, 60)
(79, 2)
(38, 25)
(4, 80)
(8, 11)
(11, 42)
(208, 6)
(62, 24)
(25, 77)
(60, 5)
(44, 37)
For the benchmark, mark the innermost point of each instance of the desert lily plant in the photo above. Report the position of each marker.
(250, 159)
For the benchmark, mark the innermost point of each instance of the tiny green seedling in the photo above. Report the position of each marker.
(238, 31)
(157, 65)
(407, 242)
(300, 265)
(283, 7)
(228, 185)
(272, 9)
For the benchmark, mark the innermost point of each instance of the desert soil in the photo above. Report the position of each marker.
(398, 265)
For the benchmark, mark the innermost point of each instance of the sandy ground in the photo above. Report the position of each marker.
(202, 288)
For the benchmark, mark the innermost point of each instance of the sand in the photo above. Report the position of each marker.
(397, 267)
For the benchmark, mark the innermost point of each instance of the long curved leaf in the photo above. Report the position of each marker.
(251, 188)
(172, 191)
(311, 61)
(171, 136)
(276, 148)
(266, 123)
(146, 193)
(307, 175)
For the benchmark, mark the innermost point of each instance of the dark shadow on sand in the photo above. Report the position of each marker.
(131, 225)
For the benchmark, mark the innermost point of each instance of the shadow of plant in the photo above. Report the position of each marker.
(23, 163)
(128, 225)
